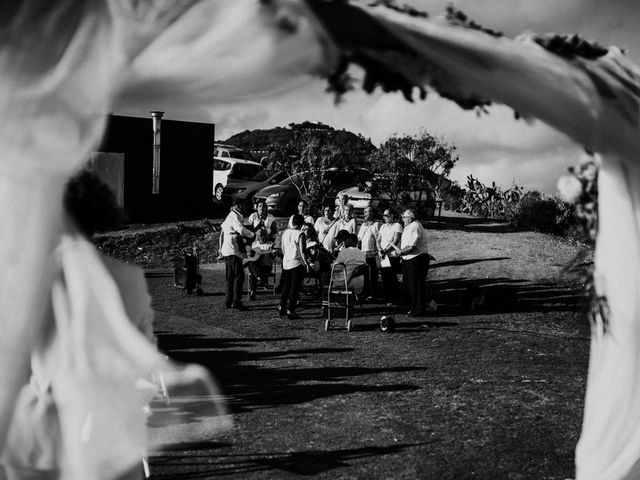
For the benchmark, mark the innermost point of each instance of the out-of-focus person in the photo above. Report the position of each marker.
(33, 448)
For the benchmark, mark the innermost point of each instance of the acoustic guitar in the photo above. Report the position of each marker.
(257, 253)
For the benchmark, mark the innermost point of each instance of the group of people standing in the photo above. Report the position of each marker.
(312, 248)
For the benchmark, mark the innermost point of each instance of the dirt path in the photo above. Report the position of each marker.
(496, 393)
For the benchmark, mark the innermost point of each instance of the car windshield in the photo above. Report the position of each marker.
(339, 178)
(261, 176)
(221, 165)
(241, 154)
(244, 171)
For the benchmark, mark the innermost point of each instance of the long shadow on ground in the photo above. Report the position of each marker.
(250, 384)
(462, 296)
(202, 462)
(470, 224)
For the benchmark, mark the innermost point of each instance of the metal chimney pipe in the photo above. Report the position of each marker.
(157, 119)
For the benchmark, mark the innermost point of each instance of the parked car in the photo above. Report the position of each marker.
(231, 162)
(360, 200)
(284, 197)
(245, 189)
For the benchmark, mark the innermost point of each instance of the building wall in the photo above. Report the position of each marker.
(186, 168)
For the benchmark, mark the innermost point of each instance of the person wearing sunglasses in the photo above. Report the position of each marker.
(389, 248)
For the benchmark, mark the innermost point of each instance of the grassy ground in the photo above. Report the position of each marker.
(495, 393)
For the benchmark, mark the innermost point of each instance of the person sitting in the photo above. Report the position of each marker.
(338, 242)
(262, 218)
(318, 258)
(351, 257)
(261, 264)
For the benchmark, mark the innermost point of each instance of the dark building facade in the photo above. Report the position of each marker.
(125, 160)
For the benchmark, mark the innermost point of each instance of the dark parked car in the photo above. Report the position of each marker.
(245, 189)
(284, 197)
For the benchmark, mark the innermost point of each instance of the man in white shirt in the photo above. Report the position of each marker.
(367, 237)
(415, 261)
(232, 231)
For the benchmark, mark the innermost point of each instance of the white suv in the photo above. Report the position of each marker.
(234, 162)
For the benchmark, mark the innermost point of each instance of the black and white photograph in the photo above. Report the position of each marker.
(326, 239)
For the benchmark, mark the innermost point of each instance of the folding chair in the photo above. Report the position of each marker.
(156, 382)
(344, 296)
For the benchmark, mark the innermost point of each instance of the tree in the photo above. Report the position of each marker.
(308, 158)
(409, 170)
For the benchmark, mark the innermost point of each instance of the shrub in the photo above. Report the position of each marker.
(545, 214)
(489, 202)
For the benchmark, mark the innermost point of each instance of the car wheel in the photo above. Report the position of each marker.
(218, 192)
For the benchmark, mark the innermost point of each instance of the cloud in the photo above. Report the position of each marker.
(492, 147)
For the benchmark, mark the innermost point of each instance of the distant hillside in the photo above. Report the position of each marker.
(259, 140)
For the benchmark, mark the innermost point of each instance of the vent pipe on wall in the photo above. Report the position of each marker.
(157, 119)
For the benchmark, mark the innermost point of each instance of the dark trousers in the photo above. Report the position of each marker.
(257, 272)
(291, 285)
(390, 280)
(414, 276)
(370, 287)
(235, 280)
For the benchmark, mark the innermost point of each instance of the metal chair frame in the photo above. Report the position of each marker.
(348, 294)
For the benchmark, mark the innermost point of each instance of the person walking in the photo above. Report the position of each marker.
(294, 266)
(368, 241)
(415, 261)
(389, 248)
(231, 249)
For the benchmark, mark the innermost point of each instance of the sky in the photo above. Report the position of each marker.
(494, 147)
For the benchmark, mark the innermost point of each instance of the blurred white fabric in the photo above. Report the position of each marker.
(64, 69)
